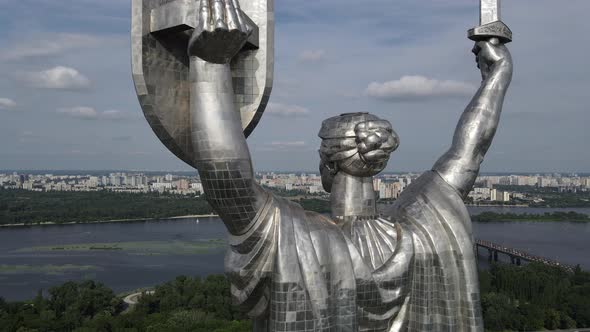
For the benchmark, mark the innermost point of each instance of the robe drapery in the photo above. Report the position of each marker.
(411, 270)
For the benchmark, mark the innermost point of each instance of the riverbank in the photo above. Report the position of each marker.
(538, 215)
(53, 223)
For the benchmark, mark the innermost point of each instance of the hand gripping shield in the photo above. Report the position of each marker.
(159, 39)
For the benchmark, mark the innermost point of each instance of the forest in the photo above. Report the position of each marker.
(534, 297)
(30, 207)
(528, 298)
(184, 304)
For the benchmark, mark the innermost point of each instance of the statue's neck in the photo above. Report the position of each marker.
(352, 197)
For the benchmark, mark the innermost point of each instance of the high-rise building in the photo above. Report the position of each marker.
(376, 184)
(93, 182)
(114, 180)
(198, 187)
(181, 184)
(389, 190)
(401, 184)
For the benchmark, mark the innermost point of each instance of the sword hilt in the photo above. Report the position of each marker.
(491, 30)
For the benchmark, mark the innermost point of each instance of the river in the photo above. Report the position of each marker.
(128, 256)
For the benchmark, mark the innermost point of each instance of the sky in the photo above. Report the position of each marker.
(67, 99)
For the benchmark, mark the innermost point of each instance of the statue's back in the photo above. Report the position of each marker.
(445, 287)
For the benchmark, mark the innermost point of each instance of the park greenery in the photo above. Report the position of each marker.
(534, 297)
(528, 298)
(185, 304)
(547, 217)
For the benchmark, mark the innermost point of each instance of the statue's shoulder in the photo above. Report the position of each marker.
(429, 192)
(293, 209)
(429, 184)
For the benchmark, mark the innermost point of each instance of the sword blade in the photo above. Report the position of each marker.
(489, 11)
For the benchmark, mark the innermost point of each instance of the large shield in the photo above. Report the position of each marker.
(159, 37)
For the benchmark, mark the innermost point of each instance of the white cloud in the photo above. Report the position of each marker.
(286, 111)
(80, 112)
(51, 44)
(59, 78)
(7, 104)
(113, 115)
(312, 55)
(89, 113)
(410, 88)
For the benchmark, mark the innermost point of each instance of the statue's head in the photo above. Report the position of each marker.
(358, 144)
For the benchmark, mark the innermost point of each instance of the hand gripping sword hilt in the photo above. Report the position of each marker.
(491, 30)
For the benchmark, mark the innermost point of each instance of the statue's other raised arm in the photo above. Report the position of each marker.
(221, 153)
(459, 166)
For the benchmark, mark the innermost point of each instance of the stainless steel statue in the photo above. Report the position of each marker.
(203, 71)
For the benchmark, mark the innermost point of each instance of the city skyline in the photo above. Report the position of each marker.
(67, 98)
(389, 186)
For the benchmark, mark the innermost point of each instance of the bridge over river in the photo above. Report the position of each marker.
(516, 256)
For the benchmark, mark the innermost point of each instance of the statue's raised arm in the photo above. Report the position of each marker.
(203, 72)
(459, 166)
(220, 151)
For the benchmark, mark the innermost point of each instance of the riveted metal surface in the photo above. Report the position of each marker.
(161, 67)
(410, 268)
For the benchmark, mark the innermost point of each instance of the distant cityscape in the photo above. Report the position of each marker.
(389, 186)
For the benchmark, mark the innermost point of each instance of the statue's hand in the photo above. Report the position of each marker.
(221, 32)
(490, 53)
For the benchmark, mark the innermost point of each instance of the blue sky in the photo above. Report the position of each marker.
(67, 99)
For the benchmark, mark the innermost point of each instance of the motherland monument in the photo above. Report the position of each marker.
(203, 71)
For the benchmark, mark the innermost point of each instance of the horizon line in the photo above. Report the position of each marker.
(269, 171)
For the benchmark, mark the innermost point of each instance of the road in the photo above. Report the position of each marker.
(132, 299)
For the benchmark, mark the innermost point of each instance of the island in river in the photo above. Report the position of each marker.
(526, 217)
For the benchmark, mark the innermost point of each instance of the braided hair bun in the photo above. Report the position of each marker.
(359, 144)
